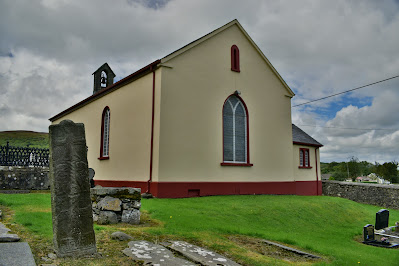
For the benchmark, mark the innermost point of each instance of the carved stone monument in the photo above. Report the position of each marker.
(70, 191)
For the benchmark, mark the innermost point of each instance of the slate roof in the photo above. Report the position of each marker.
(300, 137)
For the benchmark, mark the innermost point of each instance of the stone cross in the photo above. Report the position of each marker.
(70, 191)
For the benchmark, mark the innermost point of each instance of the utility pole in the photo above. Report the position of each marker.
(347, 166)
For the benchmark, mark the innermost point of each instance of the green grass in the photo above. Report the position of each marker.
(24, 138)
(32, 210)
(324, 225)
(328, 226)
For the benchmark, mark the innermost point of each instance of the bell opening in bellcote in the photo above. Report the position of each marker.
(103, 78)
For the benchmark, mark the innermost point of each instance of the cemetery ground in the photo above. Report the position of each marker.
(230, 225)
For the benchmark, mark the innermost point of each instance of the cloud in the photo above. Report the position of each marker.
(34, 87)
(50, 48)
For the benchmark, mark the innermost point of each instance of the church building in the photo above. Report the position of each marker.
(212, 118)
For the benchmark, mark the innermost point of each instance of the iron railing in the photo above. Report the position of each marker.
(23, 156)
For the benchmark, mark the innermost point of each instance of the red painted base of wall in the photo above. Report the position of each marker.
(196, 189)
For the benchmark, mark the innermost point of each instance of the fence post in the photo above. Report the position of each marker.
(7, 148)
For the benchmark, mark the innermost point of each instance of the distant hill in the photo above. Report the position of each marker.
(21, 138)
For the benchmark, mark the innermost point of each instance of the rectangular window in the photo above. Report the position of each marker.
(304, 158)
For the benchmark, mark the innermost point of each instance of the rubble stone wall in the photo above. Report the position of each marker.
(113, 205)
(24, 178)
(386, 196)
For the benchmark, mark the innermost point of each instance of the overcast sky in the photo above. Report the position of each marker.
(50, 48)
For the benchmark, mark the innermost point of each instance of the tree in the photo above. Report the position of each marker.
(388, 171)
(339, 171)
(353, 168)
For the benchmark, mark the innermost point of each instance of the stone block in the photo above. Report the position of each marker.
(95, 217)
(107, 217)
(16, 254)
(109, 204)
(153, 254)
(9, 238)
(117, 192)
(120, 236)
(135, 204)
(131, 216)
(199, 255)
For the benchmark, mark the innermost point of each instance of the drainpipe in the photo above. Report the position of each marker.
(152, 68)
(317, 172)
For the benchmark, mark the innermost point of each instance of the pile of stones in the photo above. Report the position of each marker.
(113, 205)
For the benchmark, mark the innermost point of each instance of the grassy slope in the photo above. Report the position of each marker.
(323, 225)
(23, 138)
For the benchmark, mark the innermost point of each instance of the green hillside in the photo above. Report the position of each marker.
(231, 225)
(24, 138)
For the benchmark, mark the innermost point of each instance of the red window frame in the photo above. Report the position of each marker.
(303, 161)
(102, 157)
(235, 58)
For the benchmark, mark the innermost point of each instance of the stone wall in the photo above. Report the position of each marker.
(24, 177)
(381, 195)
(113, 205)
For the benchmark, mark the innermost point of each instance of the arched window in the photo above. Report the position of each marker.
(103, 80)
(105, 125)
(235, 132)
(235, 58)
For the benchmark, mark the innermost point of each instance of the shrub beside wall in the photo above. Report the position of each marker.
(381, 195)
(24, 178)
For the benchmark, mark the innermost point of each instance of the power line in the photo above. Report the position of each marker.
(345, 91)
(350, 128)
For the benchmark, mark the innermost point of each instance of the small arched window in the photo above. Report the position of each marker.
(105, 126)
(103, 80)
(235, 132)
(235, 58)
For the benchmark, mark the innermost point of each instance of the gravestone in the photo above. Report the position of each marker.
(70, 191)
(381, 219)
(92, 173)
(368, 233)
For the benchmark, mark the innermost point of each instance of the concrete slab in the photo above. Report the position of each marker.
(5, 236)
(16, 254)
(198, 254)
(9, 238)
(4, 228)
(153, 254)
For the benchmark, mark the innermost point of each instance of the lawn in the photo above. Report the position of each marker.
(327, 226)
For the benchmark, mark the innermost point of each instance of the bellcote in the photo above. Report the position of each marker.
(103, 77)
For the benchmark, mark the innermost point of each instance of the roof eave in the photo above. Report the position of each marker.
(307, 144)
(101, 93)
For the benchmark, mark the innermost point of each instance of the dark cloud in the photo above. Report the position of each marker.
(155, 4)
